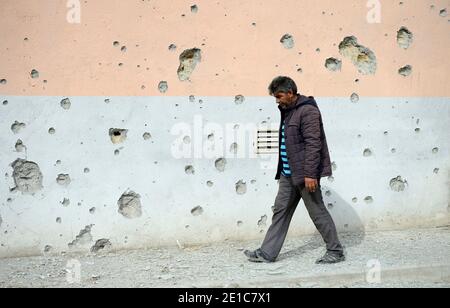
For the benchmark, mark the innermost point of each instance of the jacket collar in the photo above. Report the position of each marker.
(301, 100)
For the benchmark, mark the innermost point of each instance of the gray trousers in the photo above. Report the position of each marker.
(286, 202)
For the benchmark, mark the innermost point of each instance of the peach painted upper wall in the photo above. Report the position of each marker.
(237, 56)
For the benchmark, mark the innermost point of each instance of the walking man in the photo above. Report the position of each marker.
(303, 160)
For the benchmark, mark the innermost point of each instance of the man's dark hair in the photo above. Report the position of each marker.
(282, 84)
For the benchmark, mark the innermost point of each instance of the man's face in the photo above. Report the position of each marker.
(284, 99)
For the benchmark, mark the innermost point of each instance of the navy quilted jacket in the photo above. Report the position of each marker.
(306, 144)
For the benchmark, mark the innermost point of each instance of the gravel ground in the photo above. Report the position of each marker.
(413, 258)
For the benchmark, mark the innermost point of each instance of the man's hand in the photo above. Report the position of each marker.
(311, 184)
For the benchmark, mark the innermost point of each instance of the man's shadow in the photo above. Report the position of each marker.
(350, 228)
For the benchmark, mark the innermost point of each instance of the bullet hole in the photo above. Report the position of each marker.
(65, 104)
(123, 49)
(84, 237)
(146, 136)
(300, 70)
(317, 49)
(51, 131)
(405, 71)
(3, 81)
(107, 100)
(397, 184)
(333, 64)
(197, 211)
(220, 164)
(100, 245)
(58, 220)
(211, 137)
(404, 38)
(187, 139)
(363, 58)
(288, 41)
(200, 101)
(116, 44)
(262, 222)
(239, 99)
(19, 146)
(9, 200)
(58, 162)
(27, 176)
(328, 193)
(142, 87)
(436, 170)
(435, 150)
(65, 202)
(188, 61)
(116, 152)
(367, 152)
(192, 98)
(386, 133)
(34, 74)
(393, 150)
(354, 200)
(210, 183)
(92, 210)
(354, 98)
(189, 169)
(234, 148)
(443, 13)
(63, 179)
(130, 205)
(5, 102)
(117, 135)
(334, 166)
(48, 249)
(368, 199)
(163, 87)
(359, 136)
(86, 170)
(194, 8)
(16, 127)
(239, 223)
(417, 130)
(172, 47)
(330, 179)
(330, 206)
(241, 187)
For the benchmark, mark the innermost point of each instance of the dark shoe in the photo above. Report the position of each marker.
(330, 258)
(256, 256)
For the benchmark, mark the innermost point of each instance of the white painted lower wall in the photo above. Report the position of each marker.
(152, 169)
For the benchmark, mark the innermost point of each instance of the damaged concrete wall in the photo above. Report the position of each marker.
(119, 136)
